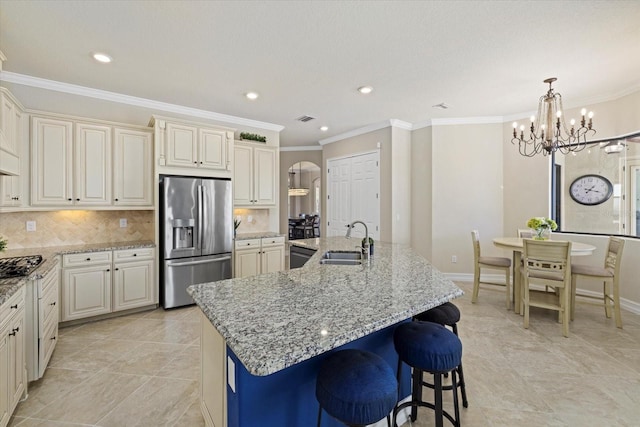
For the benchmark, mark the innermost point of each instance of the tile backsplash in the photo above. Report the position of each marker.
(259, 220)
(75, 227)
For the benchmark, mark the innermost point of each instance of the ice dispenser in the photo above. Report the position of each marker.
(183, 233)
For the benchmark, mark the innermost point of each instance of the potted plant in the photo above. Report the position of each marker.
(253, 137)
(541, 227)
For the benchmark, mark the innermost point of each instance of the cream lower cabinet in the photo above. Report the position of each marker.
(13, 375)
(259, 256)
(43, 308)
(133, 278)
(86, 285)
(96, 283)
(213, 375)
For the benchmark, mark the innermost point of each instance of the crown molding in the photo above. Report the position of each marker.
(370, 128)
(423, 124)
(302, 148)
(467, 121)
(104, 95)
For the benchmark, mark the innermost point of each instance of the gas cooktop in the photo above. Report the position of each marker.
(18, 266)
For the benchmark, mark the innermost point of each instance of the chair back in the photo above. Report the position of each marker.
(614, 255)
(475, 237)
(525, 233)
(309, 220)
(547, 261)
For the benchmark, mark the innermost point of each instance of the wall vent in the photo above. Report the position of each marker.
(305, 118)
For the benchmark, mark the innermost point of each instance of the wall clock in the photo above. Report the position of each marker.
(591, 189)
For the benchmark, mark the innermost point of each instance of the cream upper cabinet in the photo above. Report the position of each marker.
(133, 168)
(254, 175)
(182, 147)
(212, 153)
(51, 162)
(92, 164)
(10, 190)
(11, 133)
(89, 164)
(192, 146)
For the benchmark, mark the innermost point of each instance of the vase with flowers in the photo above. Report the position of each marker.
(541, 227)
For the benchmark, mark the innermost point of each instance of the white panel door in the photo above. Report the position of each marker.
(51, 162)
(92, 164)
(353, 194)
(338, 196)
(182, 145)
(365, 188)
(132, 179)
(212, 149)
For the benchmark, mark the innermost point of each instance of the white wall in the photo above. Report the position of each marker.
(421, 191)
(467, 192)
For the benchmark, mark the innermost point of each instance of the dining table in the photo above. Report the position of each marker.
(516, 244)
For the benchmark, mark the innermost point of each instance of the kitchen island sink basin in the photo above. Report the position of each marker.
(342, 258)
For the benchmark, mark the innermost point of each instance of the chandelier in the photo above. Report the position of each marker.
(300, 190)
(548, 132)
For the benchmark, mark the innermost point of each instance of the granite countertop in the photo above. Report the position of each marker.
(257, 235)
(273, 321)
(49, 254)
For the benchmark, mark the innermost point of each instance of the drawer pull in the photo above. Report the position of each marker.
(108, 269)
(13, 332)
(135, 254)
(88, 259)
(14, 306)
(116, 269)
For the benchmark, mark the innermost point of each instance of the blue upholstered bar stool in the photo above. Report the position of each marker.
(447, 314)
(429, 347)
(356, 387)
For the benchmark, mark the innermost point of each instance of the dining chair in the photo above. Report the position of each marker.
(492, 263)
(525, 233)
(610, 276)
(547, 263)
(305, 230)
(316, 226)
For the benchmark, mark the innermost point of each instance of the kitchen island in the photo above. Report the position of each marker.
(264, 336)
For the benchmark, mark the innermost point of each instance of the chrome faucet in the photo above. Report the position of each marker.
(365, 248)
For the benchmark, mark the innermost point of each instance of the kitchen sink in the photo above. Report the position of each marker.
(341, 258)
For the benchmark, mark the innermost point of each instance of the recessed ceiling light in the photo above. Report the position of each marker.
(365, 89)
(324, 128)
(102, 57)
(252, 95)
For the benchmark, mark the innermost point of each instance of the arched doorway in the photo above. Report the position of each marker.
(304, 200)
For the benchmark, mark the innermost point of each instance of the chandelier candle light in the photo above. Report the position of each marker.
(548, 132)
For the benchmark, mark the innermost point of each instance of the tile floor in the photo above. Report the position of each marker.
(142, 370)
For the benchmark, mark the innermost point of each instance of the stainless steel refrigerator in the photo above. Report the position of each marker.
(196, 235)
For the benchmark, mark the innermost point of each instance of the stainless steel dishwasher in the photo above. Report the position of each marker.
(298, 256)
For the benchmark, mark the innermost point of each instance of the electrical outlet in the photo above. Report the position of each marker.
(31, 226)
(454, 259)
(123, 222)
(250, 219)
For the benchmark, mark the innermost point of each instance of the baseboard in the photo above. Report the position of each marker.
(627, 304)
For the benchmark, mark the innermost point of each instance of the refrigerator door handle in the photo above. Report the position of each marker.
(200, 214)
(188, 263)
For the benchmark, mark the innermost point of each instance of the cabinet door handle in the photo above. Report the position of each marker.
(88, 259)
(14, 306)
(116, 200)
(53, 303)
(77, 200)
(108, 270)
(14, 332)
(116, 269)
(135, 254)
(53, 338)
(70, 200)
(195, 163)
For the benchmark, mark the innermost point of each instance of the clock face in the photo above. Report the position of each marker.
(591, 189)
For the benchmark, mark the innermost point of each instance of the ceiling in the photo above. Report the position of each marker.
(482, 58)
